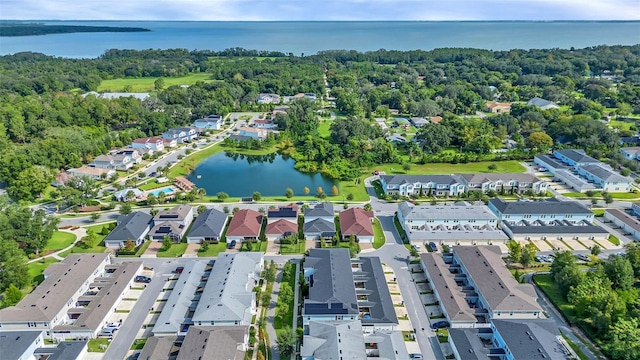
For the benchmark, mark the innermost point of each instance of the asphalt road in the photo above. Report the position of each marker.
(124, 337)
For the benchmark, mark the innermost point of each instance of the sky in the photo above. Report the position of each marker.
(299, 10)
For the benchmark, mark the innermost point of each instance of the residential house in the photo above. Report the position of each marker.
(207, 227)
(628, 224)
(606, 178)
(160, 348)
(169, 143)
(116, 95)
(575, 157)
(245, 225)
(510, 339)
(425, 185)
(631, 153)
(253, 133)
(563, 172)
(215, 342)
(151, 143)
(134, 227)
(264, 124)
(497, 107)
(268, 99)
(549, 219)
(134, 154)
(319, 222)
(281, 228)
(20, 345)
(396, 139)
(357, 222)
(173, 223)
(635, 208)
(69, 303)
(285, 212)
(418, 121)
(449, 224)
(113, 162)
(181, 134)
(344, 289)
(228, 297)
(542, 104)
(333, 340)
(129, 194)
(503, 183)
(91, 172)
(62, 178)
(435, 119)
(473, 286)
(212, 122)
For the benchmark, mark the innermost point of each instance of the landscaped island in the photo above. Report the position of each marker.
(30, 29)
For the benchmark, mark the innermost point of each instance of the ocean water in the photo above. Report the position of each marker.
(311, 37)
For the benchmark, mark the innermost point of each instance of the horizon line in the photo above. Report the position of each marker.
(293, 21)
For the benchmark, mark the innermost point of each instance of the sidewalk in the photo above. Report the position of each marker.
(271, 312)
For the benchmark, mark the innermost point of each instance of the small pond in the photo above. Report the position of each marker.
(241, 175)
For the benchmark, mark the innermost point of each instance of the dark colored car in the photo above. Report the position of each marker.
(433, 246)
(144, 279)
(231, 245)
(179, 269)
(440, 324)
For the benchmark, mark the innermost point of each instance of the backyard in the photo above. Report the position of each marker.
(146, 84)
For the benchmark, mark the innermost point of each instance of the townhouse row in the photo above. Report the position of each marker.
(181, 222)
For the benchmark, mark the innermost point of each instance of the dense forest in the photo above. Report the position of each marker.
(29, 29)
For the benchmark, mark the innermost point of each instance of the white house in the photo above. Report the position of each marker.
(213, 122)
(428, 185)
(181, 134)
(113, 162)
(151, 143)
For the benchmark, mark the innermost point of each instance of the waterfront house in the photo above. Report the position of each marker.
(245, 225)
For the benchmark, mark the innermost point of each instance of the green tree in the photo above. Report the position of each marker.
(368, 207)
(12, 296)
(166, 243)
(222, 196)
(528, 254)
(256, 196)
(125, 209)
(539, 141)
(201, 209)
(129, 246)
(623, 343)
(515, 250)
(632, 251)
(288, 193)
(13, 265)
(565, 271)
(349, 197)
(620, 272)
(158, 84)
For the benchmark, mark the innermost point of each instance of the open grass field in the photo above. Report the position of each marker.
(323, 128)
(146, 84)
(510, 166)
(597, 195)
(59, 241)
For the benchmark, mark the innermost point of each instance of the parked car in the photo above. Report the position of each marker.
(440, 324)
(179, 269)
(231, 245)
(583, 257)
(300, 203)
(433, 246)
(415, 356)
(144, 279)
(108, 332)
(115, 325)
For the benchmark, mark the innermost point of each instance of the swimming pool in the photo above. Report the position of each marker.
(166, 191)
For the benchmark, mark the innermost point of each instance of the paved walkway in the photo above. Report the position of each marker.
(78, 232)
(271, 312)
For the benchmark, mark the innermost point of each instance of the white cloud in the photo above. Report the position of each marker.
(228, 10)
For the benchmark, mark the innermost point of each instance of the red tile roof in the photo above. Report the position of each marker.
(245, 222)
(356, 221)
(280, 227)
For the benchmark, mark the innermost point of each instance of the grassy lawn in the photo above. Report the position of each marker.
(618, 195)
(98, 230)
(323, 128)
(598, 212)
(510, 166)
(59, 240)
(94, 345)
(36, 269)
(140, 250)
(379, 239)
(298, 248)
(214, 249)
(146, 84)
(152, 184)
(614, 239)
(549, 287)
(138, 344)
(176, 250)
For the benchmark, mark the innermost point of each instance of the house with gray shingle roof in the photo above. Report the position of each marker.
(228, 297)
(606, 178)
(134, 227)
(542, 103)
(333, 340)
(208, 226)
(215, 342)
(512, 183)
(319, 222)
(345, 289)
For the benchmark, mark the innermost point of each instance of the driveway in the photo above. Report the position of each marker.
(152, 250)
